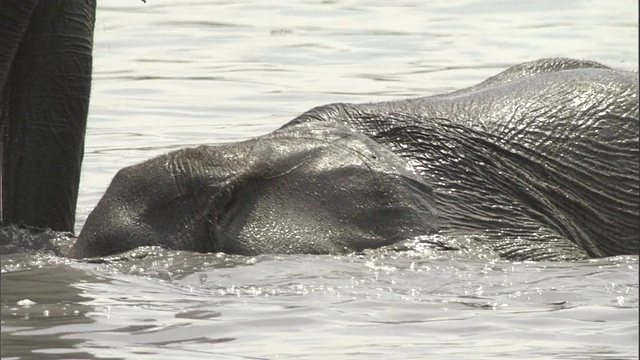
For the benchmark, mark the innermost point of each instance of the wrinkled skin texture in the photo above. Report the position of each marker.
(537, 162)
(311, 188)
(45, 79)
(540, 160)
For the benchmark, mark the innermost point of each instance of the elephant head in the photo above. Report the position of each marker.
(309, 188)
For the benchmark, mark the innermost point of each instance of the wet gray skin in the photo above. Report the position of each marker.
(310, 188)
(537, 162)
(45, 86)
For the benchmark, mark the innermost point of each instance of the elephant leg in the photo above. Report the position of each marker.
(14, 20)
(46, 85)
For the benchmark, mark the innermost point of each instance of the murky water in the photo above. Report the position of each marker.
(173, 74)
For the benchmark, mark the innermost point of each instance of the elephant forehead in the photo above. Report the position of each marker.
(362, 155)
(329, 145)
(272, 155)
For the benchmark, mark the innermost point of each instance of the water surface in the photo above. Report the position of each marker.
(170, 74)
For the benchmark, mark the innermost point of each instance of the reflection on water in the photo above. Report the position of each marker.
(171, 74)
(154, 302)
(38, 309)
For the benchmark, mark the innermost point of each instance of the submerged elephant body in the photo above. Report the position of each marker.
(539, 161)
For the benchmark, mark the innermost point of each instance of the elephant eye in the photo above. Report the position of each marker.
(224, 202)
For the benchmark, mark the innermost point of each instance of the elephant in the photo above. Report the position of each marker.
(45, 79)
(538, 162)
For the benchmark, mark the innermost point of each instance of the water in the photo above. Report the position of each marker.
(173, 74)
